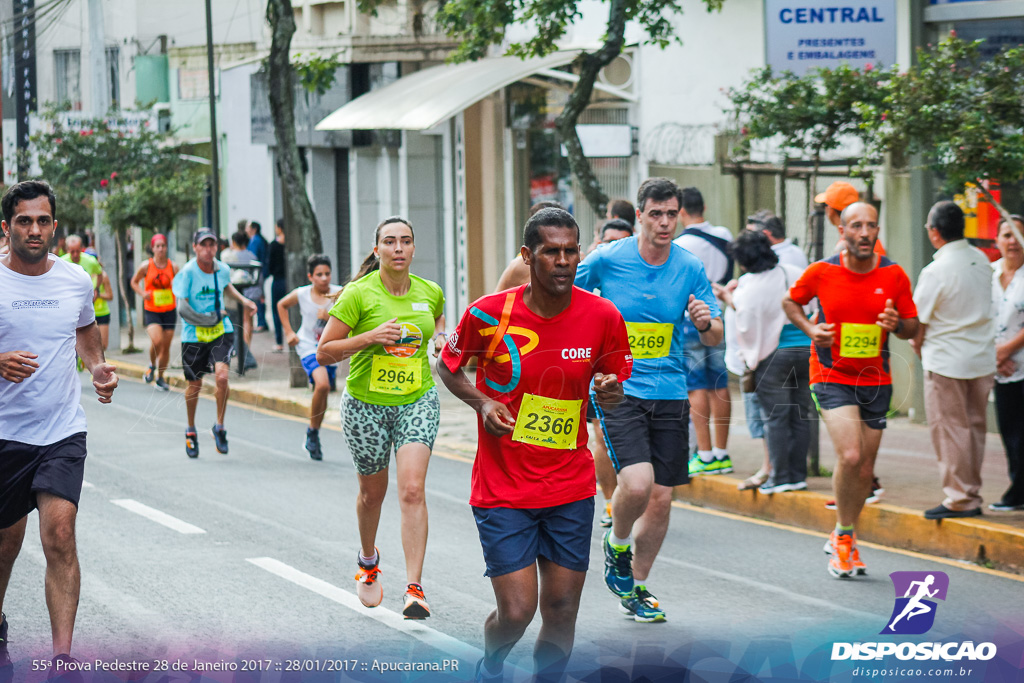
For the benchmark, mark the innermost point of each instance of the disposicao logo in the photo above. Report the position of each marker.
(916, 592)
(914, 614)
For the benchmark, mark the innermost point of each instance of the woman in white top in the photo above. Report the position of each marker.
(1008, 294)
(779, 355)
(314, 300)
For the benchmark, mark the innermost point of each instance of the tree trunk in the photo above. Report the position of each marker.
(124, 294)
(301, 230)
(579, 98)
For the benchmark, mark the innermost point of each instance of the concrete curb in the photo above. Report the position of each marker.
(252, 398)
(970, 539)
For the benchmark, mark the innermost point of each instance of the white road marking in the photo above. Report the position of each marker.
(157, 516)
(416, 629)
(87, 485)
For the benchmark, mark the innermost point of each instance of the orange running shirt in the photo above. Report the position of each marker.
(859, 354)
(158, 281)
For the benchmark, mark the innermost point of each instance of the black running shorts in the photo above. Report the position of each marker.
(166, 319)
(650, 430)
(199, 358)
(873, 401)
(27, 470)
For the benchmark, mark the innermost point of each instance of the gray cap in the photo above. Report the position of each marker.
(203, 234)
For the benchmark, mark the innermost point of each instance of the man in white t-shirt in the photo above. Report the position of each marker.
(706, 377)
(46, 315)
(775, 230)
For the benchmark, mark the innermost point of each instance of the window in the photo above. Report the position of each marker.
(68, 69)
(114, 74)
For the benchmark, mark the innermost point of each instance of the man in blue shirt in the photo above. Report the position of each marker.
(654, 283)
(206, 334)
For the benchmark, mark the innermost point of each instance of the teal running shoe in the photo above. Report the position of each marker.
(642, 606)
(618, 567)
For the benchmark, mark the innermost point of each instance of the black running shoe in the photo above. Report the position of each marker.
(313, 444)
(220, 438)
(191, 443)
(6, 668)
(162, 385)
(149, 374)
(66, 669)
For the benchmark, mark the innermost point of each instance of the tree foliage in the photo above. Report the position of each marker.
(142, 174)
(962, 110)
(316, 72)
(477, 25)
(809, 115)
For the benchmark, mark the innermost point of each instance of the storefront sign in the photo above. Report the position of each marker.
(801, 35)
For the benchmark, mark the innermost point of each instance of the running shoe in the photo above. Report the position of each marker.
(220, 438)
(698, 467)
(415, 604)
(859, 567)
(149, 374)
(618, 567)
(369, 590)
(162, 385)
(641, 606)
(840, 565)
(606, 520)
(482, 675)
(191, 443)
(65, 669)
(5, 657)
(876, 493)
(1004, 507)
(770, 487)
(313, 443)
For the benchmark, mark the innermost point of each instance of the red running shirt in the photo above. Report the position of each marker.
(859, 354)
(540, 368)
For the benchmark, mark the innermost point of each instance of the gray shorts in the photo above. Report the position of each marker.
(372, 431)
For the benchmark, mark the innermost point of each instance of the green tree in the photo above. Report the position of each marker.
(808, 115)
(141, 177)
(479, 24)
(961, 110)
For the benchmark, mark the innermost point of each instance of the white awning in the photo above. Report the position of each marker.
(427, 97)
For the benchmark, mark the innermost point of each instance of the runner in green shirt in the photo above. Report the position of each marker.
(383, 320)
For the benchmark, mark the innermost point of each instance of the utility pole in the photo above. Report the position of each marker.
(108, 244)
(214, 156)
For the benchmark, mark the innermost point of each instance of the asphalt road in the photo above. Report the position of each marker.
(251, 557)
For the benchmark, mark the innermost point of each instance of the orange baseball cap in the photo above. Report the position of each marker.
(838, 195)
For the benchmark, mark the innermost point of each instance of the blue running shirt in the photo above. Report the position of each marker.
(650, 294)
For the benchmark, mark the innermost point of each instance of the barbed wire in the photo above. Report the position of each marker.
(676, 144)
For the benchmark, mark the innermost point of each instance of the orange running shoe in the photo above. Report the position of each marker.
(369, 590)
(839, 564)
(859, 566)
(415, 604)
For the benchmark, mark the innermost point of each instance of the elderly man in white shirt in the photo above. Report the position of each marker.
(956, 344)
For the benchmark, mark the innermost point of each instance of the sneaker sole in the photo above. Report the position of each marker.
(380, 598)
(630, 614)
(416, 611)
(837, 574)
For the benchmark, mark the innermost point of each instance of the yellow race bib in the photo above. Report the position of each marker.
(163, 297)
(547, 422)
(860, 341)
(209, 334)
(649, 340)
(395, 376)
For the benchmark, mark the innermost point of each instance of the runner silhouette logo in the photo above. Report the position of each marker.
(916, 592)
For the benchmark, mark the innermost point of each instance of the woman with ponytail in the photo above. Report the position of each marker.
(384, 320)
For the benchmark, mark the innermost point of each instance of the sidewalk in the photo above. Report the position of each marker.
(906, 467)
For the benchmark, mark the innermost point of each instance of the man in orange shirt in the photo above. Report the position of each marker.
(837, 197)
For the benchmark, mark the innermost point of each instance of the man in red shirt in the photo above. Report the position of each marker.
(864, 297)
(539, 347)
